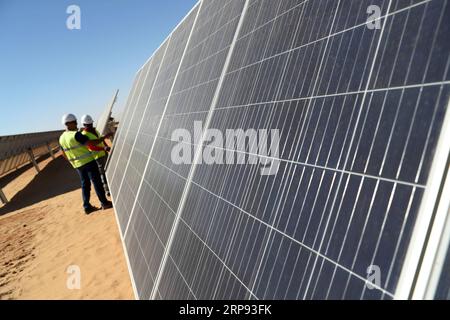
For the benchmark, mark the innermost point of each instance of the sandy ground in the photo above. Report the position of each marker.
(45, 239)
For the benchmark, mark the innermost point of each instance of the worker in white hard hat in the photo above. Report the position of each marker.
(100, 156)
(75, 149)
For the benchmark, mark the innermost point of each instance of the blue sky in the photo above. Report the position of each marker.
(47, 70)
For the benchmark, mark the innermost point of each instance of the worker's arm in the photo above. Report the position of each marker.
(96, 141)
(100, 140)
(91, 144)
(93, 147)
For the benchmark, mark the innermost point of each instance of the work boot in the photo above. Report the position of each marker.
(107, 205)
(90, 210)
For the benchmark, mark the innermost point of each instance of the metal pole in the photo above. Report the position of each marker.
(3, 197)
(50, 151)
(33, 160)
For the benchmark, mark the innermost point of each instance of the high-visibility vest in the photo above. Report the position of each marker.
(91, 136)
(76, 153)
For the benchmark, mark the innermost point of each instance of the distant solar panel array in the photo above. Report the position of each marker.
(14, 150)
(18, 150)
(362, 114)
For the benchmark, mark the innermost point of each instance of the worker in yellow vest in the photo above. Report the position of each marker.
(100, 156)
(75, 149)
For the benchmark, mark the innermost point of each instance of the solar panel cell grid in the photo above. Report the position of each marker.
(122, 131)
(167, 186)
(359, 111)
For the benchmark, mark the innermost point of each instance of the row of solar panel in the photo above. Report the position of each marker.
(14, 150)
(359, 111)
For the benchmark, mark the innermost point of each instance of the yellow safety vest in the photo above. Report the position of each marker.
(97, 154)
(76, 153)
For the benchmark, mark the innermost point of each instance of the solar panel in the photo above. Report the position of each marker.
(121, 132)
(359, 111)
(102, 124)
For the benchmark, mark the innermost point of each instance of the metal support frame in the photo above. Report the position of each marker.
(50, 151)
(33, 160)
(3, 198)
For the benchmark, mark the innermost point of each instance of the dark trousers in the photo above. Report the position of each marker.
(89, 172)
(101, 163)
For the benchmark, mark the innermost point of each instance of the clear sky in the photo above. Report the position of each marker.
(47, 70)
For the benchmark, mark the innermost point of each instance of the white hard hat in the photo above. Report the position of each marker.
(68, 118)
(87, 119)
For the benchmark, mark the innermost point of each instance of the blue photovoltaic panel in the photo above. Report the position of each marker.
(135, 158)
(122, 132)
(172, 57)
(190, 100)
(359, 110)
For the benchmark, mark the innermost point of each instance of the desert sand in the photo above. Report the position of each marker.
(44, 233)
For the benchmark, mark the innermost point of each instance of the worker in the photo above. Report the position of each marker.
(75, 149)
(100, 156)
